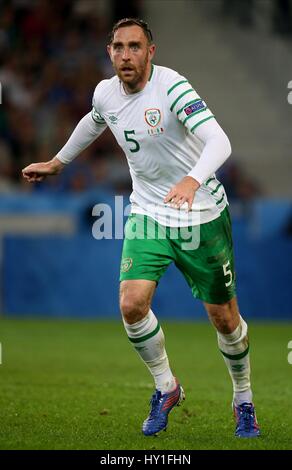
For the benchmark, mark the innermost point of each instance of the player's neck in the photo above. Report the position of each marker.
(129, 90)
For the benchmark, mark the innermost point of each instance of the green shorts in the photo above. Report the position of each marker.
(203, 253)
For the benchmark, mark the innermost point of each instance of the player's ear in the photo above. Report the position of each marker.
(109, 50)
(152, 50)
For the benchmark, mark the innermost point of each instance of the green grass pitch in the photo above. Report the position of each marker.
(81, 385)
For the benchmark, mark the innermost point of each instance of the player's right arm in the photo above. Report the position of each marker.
(87, 130)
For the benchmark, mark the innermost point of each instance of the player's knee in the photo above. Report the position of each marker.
(133, 309)
(226, 325)
(225, 317)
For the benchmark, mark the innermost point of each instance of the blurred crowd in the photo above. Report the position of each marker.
(243, 12)
(52, 55)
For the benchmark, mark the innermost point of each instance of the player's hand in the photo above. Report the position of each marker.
(182, 192)
(39, 171)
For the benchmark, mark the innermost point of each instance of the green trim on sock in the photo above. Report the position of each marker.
(236, 357)
(144, 338)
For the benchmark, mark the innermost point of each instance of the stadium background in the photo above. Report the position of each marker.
(52, 56)
(237, 55)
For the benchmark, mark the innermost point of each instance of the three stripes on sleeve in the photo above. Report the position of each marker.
(185, 102)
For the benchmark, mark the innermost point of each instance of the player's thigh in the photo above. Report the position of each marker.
(146, 251)
(209, 269)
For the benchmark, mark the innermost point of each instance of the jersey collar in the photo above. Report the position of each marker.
(151, 72)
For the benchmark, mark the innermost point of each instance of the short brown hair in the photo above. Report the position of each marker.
(132, 22)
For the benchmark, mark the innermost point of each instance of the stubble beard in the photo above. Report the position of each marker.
(138, 76)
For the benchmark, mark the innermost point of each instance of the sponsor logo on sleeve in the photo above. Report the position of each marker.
(193, 108)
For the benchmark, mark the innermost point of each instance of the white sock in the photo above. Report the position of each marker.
(148, 339)
(235, 350)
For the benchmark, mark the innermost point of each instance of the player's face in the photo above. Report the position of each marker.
(131, 55)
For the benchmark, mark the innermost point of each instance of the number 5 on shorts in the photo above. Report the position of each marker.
(227, 272)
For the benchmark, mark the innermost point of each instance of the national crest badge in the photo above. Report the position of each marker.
(153, 117)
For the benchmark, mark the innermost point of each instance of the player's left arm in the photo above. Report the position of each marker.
(216, 150)
(194, 114)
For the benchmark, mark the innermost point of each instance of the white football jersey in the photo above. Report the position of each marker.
(156, 129)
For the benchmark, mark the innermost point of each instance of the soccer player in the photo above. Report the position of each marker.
(173, 145)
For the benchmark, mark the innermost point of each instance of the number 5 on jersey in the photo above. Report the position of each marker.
(228, 272)
(136, 146)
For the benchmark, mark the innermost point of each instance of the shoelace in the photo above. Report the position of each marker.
(154, 402)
